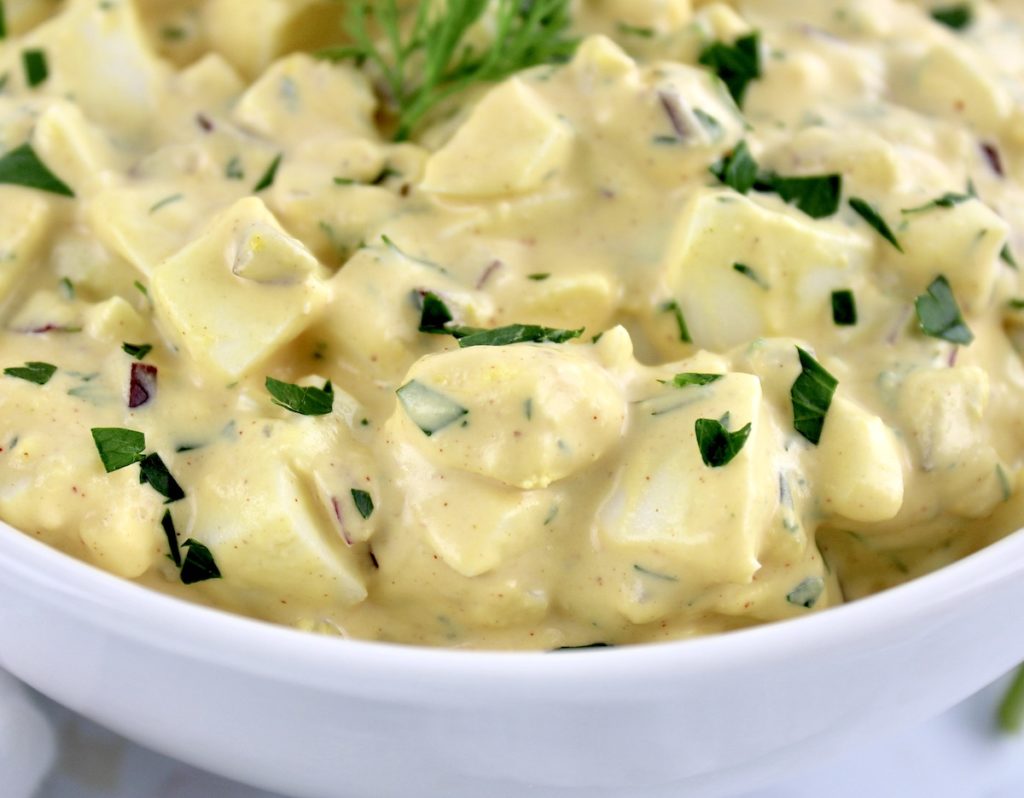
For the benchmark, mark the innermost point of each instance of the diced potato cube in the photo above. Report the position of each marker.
(374, 318)
(660, 15)
(861, 465)
(300, 93)
(599, 58)
(227, 321)
(660, 514)
(74, 149)
(963, 243)
(284, 26)
(533, 414)
(512, 143)
(23, 229)
(865, 159)
(146, 224)
(122, 90)
(949, 80)
(587, 300)
(261, 524)
(944, 412)
(792, 264)
(115, 320)
(211, 78)
(125, 536)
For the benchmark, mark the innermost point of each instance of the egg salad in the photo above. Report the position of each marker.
(504, 324)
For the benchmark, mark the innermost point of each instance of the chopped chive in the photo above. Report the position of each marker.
(693, 378)
(268, 177)
(137, 351)
(872, 217)
(844, 308)
(751, 275)
(947, 200)
(36, 68)
(170, 200)
(673, 307)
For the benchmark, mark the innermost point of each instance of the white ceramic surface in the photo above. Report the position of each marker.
(313, 716)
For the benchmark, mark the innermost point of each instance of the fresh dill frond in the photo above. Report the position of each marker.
(423, 61)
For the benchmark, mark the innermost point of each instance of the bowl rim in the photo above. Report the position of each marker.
(262, 648)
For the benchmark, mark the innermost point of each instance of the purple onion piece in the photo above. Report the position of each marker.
(142, 386)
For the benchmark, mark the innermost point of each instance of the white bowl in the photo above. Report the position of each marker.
(314, 716)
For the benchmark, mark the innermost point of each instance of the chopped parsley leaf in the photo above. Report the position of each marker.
(956, 17)
(154, 473)
(308, 401)
(844, 308)
(137, 351)
(673, 307)
(872, 217)
(811, 395)
(36, 68)
(33, 371)
(815, 195)
(717, 445)
(22, 167)
(736, 64)
(515, 334)
(268, 177)
(737, 169)
(693, 378)
(118, 448)
(938, 314)
(363, 502)
(199, 564)
(167, 522)
(434, 314)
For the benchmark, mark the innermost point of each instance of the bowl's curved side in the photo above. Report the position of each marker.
(321, 717)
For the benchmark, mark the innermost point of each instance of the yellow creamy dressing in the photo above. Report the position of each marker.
(238, 207)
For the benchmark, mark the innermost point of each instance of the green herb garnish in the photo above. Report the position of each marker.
(752, 275)
(199, 564)
(3, 21)
(118, 448)
(1011, 708)
(515, 334)
(673, 307)
(956, 17)
(947, 200)
(36, 68)
(22, 167)
(539, 277)
(431, 59)
(844, 308)
(815, 195)
(811, 395)
(268, 177)
(871, 216)
(736, 64)
(717, 445)
(1006, 255)
(434, 315)
(807, 593)
(167, 522)
(693, 378)
(168, 200)
(363, 502)
(635, 30)
(428, 409)
(33, 371)
(234, 170)
(938, 314)
(304, 401)
(154, 473)
(737, 169)
(137, 351)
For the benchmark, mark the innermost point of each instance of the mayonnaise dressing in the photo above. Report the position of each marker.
(238, 208)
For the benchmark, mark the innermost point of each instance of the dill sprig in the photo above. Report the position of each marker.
(422, 63)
